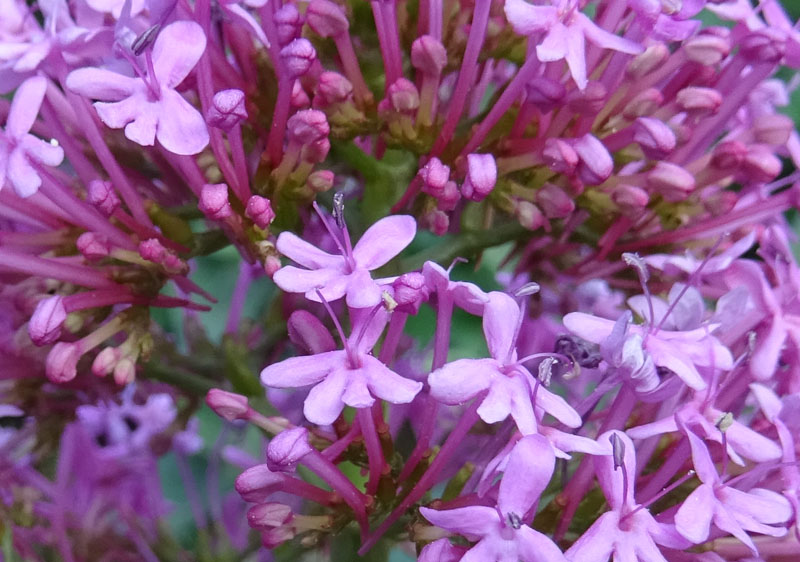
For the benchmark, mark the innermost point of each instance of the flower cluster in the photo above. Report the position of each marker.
(614, 379)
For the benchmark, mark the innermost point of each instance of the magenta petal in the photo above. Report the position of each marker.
(554, 45)
(177, 49)
(388, 385)
(603, 38)
(521, 407)
(473, 521)
(118, 114)
(500, 321)
(557, 407)
(693, 518)
(305, 254)
(526, 475)
(701, 458)
(769, 342)
(576, 55)
(181, 128)
(356, 393)
(325, 402)
(42, 151)
(142, 129)
(497, 404)
(591, 328)
(22, 175)
(597, 542)
(101, 84)
(751, 444)
(460, 380)
(25, 106)
(727, 522)
(301, 371)
(764, 506)
(384, 240)
(362, 291)
(527, 19)
(533, 546)
(295, 280)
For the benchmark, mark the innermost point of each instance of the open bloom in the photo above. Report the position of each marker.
(335, 276)
(149, 107)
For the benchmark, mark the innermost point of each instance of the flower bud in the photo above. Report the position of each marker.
(332, 88)
(654, 137)
(644, 103)
(320, 181)
(227, 109)
(560, 156)
(105, 361)
(773, 129)
(403, 96)
(760, 165)
(257, 483)
(287, 449)
(652, 58)
(528, 215)
(590, 100)
(259, 210)
(707, 49)
(763, 45)
(410, 291)
(554, 202)
(630, 198)
(317, 151)
(288, 23)
(449, 198)
(545, 94)
(438, 221)
(434, 176)
(428, 55)
(62, 362)
(45, 325)
(299, 99)
(298, 56)
(102, 195)
(595, 164)
(307, 126)
(214, 201)
(152, 250)
(326, 18)
(673, 182)
(481, 176)
(93, 246)
(124, 371)
(308, 333)
(227, 405)
(728, 155)
(267, 516)
(699, 100)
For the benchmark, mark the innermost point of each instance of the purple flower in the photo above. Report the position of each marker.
(347, 274)
(350, 376)
(149, 107)
(500, 531)
(21, 152)
(512, 390)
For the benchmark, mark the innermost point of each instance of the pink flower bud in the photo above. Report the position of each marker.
(152, 250)
(644, 103)
(299, 98)
(227, 405)
(707, 49)
(652, 58)
(317, 151)
(428, 55)
(298, 56)
(434, 176)
(45, 325)
(528, 215)
(589, 100)
(271, 265)
(410, 291)
(560, 156)
(655, 137)
(760, 165)
(93, 246)
(326, 18)
(101, 194)
(438, 222)
(403, 96)
(449, 198)
(764, 45)
(287, 449)
(595, 164)
(124, 371)
(105, 361)
(266, 516)
(545, 94)
(630, 198)
(273, 538)
(673, 182)
(699, 100)
(773, 129)
(288, 23)
(481, 176)
(227, 109)
(321, 181)
(554, 201)
(214, 201)
(332, 88)
(259, 210)
(62, 362)
(728, 155)
(257, 483)
(309, 334)
(307, 126)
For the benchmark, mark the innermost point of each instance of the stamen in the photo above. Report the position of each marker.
(546, 371)
(527, 289)
(335, 320)
(514, 520)
(635, 261)
(144, 40)
(325, 223)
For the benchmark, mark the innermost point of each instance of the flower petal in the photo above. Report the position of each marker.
(384, 240)
(356, 393)
(305, 254)
(362, 290)
(603, 38)
(535, 547)
(527, 19)
(295, 280)
(497, 404)
(25, 106)
(597, 542)
(529, 469)
(301, 371)
(22, 175)
(324, 402)
(460, 380)
(101, 84)
(693, 518)
(181, 128)
(557, 407)
(472, 521)
(177, 49)
(388, 385)
(501, 317)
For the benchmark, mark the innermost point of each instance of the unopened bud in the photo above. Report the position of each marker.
(403, 96)
(326, 18)
(410, 291)
(287, 449)
(481, 176)
(257, 483)
(644, 103)
(728, 155)
(332, 88)
(545, 94)
(307, 126)
(434, 176)
(321, 181)
(227, 405)
(652, 58)
(428, 55)
(124, 371)
(630, 197)
(560, 156)
(528, 215)
(105, 361)
(308, 333)
(707, 49)
(266, 516)
(760, 165)
(673, 182)
(62, 362)
(93, 246)
(554, 201)
(259, 210)
(299, 99)
(654, 137)
(45, 325)
(288, 23)
(699, 100)
(227, 109)
(316, 152)
(773, 129)
(214, 201)
(101, 194)
(590, 100)
(766, 45)
(298, 56)
(595, 164)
